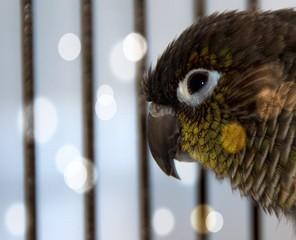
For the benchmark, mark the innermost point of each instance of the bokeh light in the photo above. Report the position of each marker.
(75, 175)
(65, 155)
(214, 221)
(20, 124)
(187, 172)
(69, 46)
(106, 107)
(45, 118)
(134, 47)
(163, 221)
(80, 175)
(105, 89)
(198, 218)
(233, 137)
(15, 219)
(122, 68)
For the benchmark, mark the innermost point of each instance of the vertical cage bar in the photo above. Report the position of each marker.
(255, 222)
(254, 209)
(202, 200)
(28, 118)
(202, 182)
(88, 116)
(199, 8)
(144, 173)
(253, 4)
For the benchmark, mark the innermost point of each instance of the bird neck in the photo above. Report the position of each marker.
(202, 138)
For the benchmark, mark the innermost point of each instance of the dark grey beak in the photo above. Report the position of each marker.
(163, 133)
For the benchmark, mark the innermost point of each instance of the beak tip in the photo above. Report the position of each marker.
(176, 175)
(172, 171)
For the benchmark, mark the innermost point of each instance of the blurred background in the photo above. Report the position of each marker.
(58, 108)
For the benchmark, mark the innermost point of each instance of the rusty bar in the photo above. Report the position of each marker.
(202, 200)
(88, 116)
(254, 209)
(28, 119)
(256, 222)
(144, 173)
(253, 4)
(199, 8)
(202, 182)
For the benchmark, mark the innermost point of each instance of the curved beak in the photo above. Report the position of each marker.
(163, 133)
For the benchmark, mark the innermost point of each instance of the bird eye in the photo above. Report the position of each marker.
(197, 86)
(197, 81)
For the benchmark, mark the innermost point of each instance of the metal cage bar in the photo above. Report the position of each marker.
(28, 119)
(202, 182)
(199, 8)
(144, 172)
(253, 4)
(255, 223)
(88, 116)
(202, 200)
(256, 232)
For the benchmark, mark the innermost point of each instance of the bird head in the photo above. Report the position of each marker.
(215, 86)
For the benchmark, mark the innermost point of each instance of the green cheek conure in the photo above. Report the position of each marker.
(224, 94)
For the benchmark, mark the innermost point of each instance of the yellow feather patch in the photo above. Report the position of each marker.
(233, 137)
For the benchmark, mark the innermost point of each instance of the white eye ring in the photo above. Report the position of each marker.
(184, 94)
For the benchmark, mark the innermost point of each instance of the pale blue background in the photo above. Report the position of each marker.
(60, 210)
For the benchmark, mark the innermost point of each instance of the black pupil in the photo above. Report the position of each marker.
(197, 81)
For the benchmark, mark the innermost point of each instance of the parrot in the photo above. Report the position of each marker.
(223, 94)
